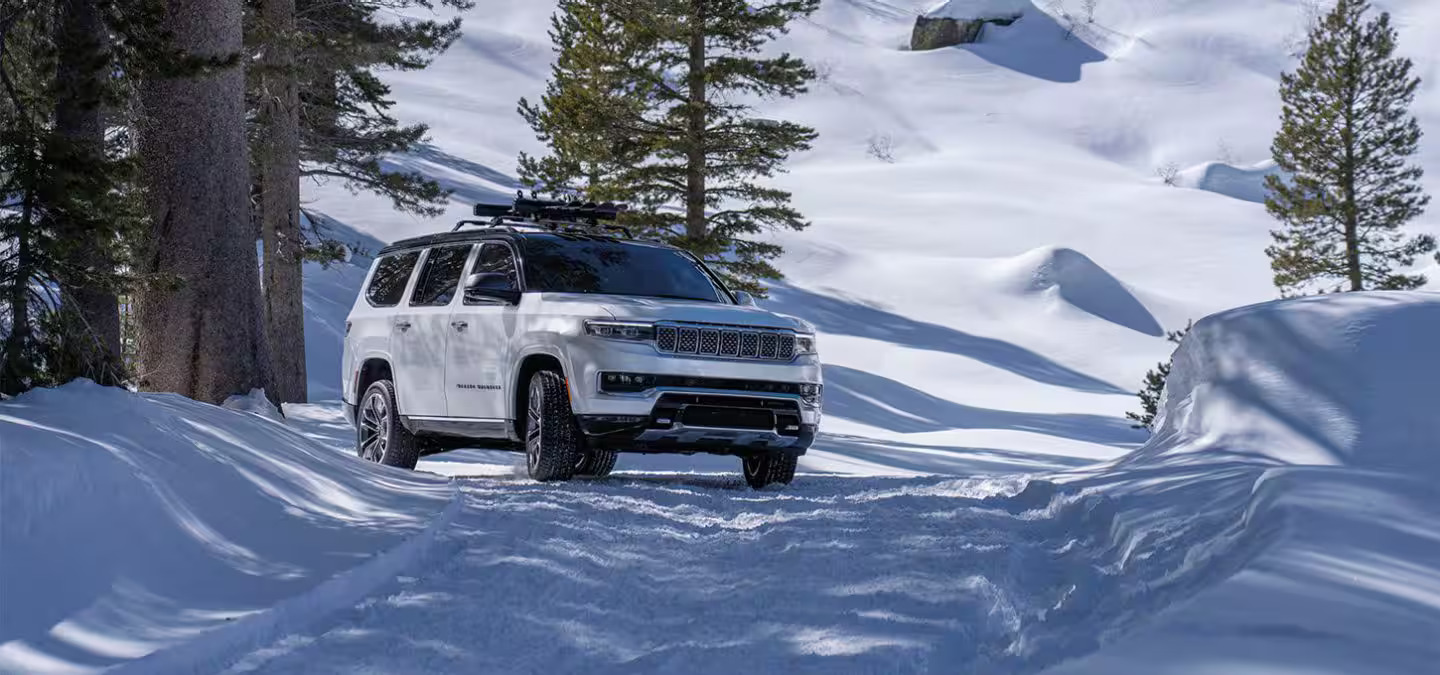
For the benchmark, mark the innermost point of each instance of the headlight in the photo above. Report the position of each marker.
(620, 330)
(804, 344)
(810, 393)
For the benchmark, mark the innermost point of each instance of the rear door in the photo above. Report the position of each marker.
(421, 328)
(368, 328)
(478, 355)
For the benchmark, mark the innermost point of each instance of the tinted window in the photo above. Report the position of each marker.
(391, 274)
(440, 277)
(576, 265)
(496, 269)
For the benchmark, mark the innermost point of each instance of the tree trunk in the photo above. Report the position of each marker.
(15, 370)
(280, 204)
(695, 225)
(202, 335)
(80, 125)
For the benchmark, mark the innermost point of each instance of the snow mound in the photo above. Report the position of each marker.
(1243, 183)
(1079, 281)
(1346, 380)
(966, 10)
(133, 523)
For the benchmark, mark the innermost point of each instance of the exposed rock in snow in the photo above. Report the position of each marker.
(958, 22)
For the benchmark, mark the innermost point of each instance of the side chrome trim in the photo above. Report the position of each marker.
(471, 427)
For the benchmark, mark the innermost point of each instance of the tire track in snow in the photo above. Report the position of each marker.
(671, 573)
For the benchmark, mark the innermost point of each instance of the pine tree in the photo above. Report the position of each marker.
(68, 189)
(346, 129)
(1345, 142)
(649, 103)
(1154, 388)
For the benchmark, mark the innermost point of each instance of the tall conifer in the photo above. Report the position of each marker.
(1346, 141)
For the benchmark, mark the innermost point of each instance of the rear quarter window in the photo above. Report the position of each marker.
(392, 272)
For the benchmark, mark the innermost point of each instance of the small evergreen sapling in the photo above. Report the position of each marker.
(1155, 386)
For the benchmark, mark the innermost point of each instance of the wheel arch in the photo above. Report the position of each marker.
(372, 370)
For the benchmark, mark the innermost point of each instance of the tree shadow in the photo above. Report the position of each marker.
(843, 317)
(881, 402)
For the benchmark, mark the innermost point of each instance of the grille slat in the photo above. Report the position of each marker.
(735, 343)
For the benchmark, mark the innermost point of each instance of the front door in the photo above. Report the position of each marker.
(421, 328)
(478, 352)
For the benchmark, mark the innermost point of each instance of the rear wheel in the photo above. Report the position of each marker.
(552, 438)
(762, 470)
(597, 463)
(379, 435)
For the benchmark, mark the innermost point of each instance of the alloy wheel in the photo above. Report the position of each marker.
(374, 427)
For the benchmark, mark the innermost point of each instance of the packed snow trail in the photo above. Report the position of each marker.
(675, 573)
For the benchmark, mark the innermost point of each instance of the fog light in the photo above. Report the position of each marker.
(626, 383)
(810, 394)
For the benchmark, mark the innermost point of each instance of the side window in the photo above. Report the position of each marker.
(494, 272)
(440, 277)
(387, 285)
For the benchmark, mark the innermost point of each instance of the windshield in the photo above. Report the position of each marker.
(564, 264)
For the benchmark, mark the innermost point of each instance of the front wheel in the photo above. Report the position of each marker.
(598, 463)
(379, 435)
(762, 470)
(552, 438)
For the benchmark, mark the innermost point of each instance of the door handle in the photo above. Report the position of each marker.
(402, 325)
(459, 325)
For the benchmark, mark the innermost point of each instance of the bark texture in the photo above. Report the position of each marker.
(280, 204)
(203, 335)
(80, 123)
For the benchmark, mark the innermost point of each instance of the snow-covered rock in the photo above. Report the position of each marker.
(1244, 183)
(957, 22)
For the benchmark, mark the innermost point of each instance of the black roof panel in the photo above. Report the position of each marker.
(517, 236)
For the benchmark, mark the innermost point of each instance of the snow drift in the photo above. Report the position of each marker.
(1326, 407)
(1345, 380)
(134, 523)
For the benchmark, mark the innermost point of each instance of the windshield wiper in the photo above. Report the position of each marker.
(676, 297)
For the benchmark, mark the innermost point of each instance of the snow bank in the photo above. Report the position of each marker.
(1326, 407)
(133, 523)
(1243, 183)
(1348, 380)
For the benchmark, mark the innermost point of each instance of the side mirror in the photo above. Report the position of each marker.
(743, 298)
(492, 285)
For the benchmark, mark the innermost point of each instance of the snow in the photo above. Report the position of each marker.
(135, 523)
(987, 305)
(978, 9)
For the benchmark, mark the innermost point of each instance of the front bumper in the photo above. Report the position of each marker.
(723, 423)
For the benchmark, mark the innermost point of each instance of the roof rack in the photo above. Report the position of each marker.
(551, 215)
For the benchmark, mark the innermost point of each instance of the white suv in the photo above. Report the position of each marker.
(575, 345)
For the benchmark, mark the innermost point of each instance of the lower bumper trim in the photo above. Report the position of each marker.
(649, 435)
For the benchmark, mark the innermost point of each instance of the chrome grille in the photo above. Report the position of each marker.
(665, 338)
(726, 342)
(709, 341)
(689, 340)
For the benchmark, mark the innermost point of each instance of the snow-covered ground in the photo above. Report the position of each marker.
(988, 303)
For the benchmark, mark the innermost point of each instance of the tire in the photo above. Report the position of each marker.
(775, 467)
(379, 435)
(552, 437)
(598, 463)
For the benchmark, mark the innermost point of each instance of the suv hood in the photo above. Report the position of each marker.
(635, 308)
